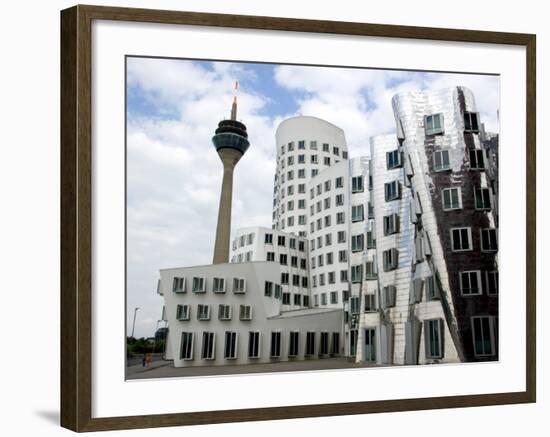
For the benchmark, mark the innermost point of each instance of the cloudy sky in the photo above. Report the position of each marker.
(174, 173)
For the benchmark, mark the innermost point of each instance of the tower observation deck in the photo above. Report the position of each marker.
(231, 143)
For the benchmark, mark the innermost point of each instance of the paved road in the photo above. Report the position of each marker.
(165, 369)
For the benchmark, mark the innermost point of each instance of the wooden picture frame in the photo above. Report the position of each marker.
(76, 217)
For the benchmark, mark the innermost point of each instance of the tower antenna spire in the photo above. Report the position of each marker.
(234, 106)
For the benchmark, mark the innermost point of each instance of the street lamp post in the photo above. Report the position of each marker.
(136, 309)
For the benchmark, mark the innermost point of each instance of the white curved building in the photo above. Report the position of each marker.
(305, 146)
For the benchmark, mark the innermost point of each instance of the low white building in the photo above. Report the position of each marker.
(227, 314)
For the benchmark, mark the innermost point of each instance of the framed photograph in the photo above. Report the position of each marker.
(339, 216)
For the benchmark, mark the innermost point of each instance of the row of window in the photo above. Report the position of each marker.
(434, 123)
(313, 146)
(301, 174)
(357, 242)
(225, 312)
(245, 239)
(328, 344)
(301, 159)
(441, 160)
(282, 239)
(199, 285)
(461, 239)
(484, 338)
(283, 260)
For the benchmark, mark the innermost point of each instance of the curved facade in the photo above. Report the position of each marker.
(305, 147)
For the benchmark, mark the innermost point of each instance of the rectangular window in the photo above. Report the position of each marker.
(199, 285)
(339, 199)
(388, 296)
(253, 344)
(275, 349)
(203, 312)
(218, 285)
(357, 242)
(186, 348)
(326, 160)
(301, 159)
(245, 312)
(470, 283)
(328, 239)
(342, 256)
(314, 159)
(286, 298)
(489, 241)
(277, 291)
(208, 345)
(370, 345)
(452, 198)
(392, 191)
(310, 344)
(432, 292)
(268, 238)
(370, 303)
(441, 161)
(339, 182)
(268, 289)
(293, 344)
(484, 336)
(393, 159)
(461, 239)
(335, 350)
(280, 240)
(301, 173)
(178, 285)
(371, 241)
(353, 334)
(357, 213)
(224, 312)
(433, 124)
(391, 224)
(340, 218)
(343, 276)
(476, 159)
(326, 147)
(301, 145)
(333, 297)
(471, 121)
(297, 299)
(230, 346)
(327, 221)
(183, 312)
(306, 301)
(370, 270)
(482, 198)
(323, 344)
(313, 145)
(354, 305)
(290, 146)
(433, 338)
(491, 283)
(370, 210)
(357, 184)
(301, 246)
(390, 258)
(283, 259)
(296, 280)
(239, 285)
(270, 256)
(356, 273)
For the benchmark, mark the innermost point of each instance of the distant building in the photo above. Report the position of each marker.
(388, 259)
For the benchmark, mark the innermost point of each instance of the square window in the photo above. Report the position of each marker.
(461, 239)
(434, 124)
(452, 198)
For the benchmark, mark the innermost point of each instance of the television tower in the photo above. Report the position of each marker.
(231, 142)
